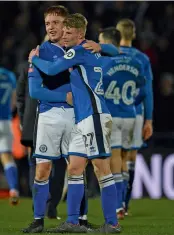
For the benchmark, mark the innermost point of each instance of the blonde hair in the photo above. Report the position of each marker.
(77, 21)
(126, 28)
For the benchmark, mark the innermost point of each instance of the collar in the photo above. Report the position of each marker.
(83, 42)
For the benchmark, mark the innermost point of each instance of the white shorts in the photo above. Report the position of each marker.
(5, 136)
(122, 132)
(53, 133)
(137, 135)
(90, 138)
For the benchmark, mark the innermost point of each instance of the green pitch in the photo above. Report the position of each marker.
(149, 217)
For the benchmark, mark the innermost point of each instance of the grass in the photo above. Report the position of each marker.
(149, 217)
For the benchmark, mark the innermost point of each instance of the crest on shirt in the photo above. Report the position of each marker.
(70, 54)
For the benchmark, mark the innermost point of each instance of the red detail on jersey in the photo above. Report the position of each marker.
(30, 70)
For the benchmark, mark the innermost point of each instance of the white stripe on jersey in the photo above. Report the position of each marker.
(58, 47)
(86, 81)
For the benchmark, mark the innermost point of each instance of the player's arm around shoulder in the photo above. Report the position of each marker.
(107, 49)
(76, 53)
(71, 58)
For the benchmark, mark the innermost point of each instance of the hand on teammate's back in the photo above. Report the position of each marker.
(91, 45)
(147, 130)
(69, 98)
(33, 53)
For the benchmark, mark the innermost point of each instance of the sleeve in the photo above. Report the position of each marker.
(148, 102)
(37, 91)
(71, 58)
(109, 50)
(141, 96)
(21, 90)
(105, 63)
(141, 79)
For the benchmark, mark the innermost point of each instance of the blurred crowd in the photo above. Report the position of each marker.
(22, 28)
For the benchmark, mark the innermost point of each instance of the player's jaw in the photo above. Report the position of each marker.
(68, 43)
(71, 37)
(54, 35)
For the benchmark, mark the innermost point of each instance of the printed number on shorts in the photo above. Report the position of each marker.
(88, 139)
(114, 92)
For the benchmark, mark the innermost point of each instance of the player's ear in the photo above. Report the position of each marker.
(81, 34)
(134, 35)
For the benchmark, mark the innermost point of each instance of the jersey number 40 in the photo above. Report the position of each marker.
(117, 94)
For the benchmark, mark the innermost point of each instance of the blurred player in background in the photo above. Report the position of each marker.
(123, 74)
(143, 92)
(7, 105)
(26, 108)
(143, 125)
(91, 135)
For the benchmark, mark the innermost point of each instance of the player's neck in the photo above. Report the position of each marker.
(80, 41)
(126, 43)
(60, 43)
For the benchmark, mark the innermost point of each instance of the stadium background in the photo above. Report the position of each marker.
(22, 28)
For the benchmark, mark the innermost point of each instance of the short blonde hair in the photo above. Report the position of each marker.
(126, 28)
(77, 21)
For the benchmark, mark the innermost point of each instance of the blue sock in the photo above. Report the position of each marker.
(131, 168)
(119, 183)
(74, 197)
(109, 199)
(40, 196)
(125, 184)
(11, 174)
